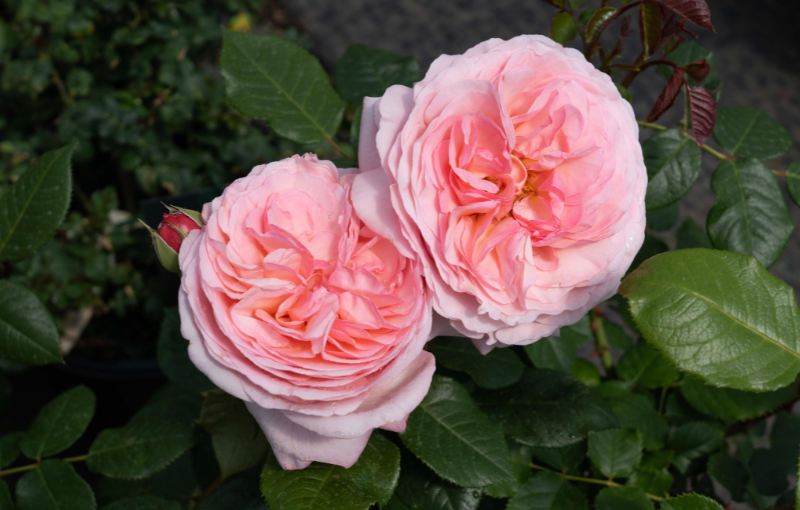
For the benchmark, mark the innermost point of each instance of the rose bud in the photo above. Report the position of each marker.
(291, 304)
(515, 172)
(171, 232)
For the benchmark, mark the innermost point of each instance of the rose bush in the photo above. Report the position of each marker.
(293, 305)
(516, 174)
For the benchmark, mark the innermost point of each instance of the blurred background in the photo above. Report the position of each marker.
(137, 83)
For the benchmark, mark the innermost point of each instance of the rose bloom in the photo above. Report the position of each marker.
(516, 173)
(293, 305)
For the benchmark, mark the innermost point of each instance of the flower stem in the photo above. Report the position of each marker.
(29, 467)
(607, 483)
(706, 148)
(601, 340)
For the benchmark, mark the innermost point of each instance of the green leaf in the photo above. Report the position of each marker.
(239, 492)
(690, 502)
(365, 71)
(559, 353)
(27, 332)
(173, 356)
(793, 182)
(270, 78)
(641, 365)
(371, 479)
(547, 408)
(34, 207)
(785, 434)
(730, 473)
(143, 447)
(615, 452)
(685, 54)
(599, 17)
(623, 498)
(59, 423)
(677, 411)
(626, 95)
(9, 448)
(797, 489)
(651, 482)
(577, 4)
(585, 371)
(238, 441)
(651, 247)
(748, 132)
(144, 503)
(451, 435)
(673, 164)
(5, 497)
(172, 401)
(663, 219)
(499, 368)
(419, 488)
(694, 440)
(109, 490)
(692, 235)
(564, 28)
(720, 316)
(54, 486)
(547, 491)
(649, 28)
(770, 468)
(562, 458)
(520, 466)
(749, 215)
(656, 461)
(729, 404)
(616, 335)
(637, 412)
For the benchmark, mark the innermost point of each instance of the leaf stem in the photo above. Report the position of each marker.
(706, 148)
(608, 483)
(601, 340)
(663, 399)
(338, 148)
(29, 467)
(779, 173)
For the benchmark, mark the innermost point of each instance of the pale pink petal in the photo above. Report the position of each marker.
(296, 447)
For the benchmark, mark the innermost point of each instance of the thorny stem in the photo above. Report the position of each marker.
(607, 483)
(706, 148)
(29, 467)
(602, 341)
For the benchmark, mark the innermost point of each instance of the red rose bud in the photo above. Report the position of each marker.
(174, 227)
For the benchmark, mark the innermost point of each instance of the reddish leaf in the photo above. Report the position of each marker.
(673, 26)
(698, 70)
(703, 111)
(668, 95)
(695, 11)
(649, 27)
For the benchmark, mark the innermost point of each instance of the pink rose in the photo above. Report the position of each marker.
(516, 174)
(293, 305)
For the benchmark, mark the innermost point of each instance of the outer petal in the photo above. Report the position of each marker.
(385, 405)
(372, 201)
(368, 157)
(296, 447)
